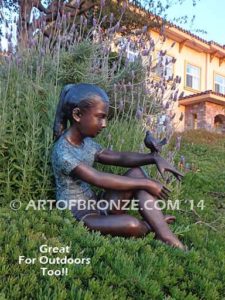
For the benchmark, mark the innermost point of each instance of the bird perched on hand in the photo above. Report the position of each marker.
(154, 144)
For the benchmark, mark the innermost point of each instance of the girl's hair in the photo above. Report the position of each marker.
(75, 95)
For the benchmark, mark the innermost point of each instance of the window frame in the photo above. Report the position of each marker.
(171, 66)
(185, 76)
(214, 83)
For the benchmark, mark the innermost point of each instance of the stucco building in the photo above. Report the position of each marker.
(201, 65)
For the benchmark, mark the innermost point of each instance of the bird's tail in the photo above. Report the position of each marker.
(163, 142)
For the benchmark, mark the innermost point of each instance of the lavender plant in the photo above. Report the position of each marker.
(31, 80)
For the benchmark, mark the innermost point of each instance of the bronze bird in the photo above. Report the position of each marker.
(154, 144)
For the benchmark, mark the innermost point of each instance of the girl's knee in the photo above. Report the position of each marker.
(136, 227)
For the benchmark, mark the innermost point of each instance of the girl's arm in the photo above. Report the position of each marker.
(125, 159)
(117, 182)
(135, 159)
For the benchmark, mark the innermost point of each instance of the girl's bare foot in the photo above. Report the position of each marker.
(172, 240)
(169, 219)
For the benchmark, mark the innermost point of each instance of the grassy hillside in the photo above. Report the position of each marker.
(124, 268)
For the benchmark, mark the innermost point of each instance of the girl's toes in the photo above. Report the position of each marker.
(169, 219)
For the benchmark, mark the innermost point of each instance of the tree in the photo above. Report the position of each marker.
(49, 12)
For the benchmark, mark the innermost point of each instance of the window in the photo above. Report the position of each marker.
(219, 84)
(132, 55)
(165, 66)
(195, 121)
(130, 47)
(193, 77)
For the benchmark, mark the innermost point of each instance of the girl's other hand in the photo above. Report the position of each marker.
(158, 190)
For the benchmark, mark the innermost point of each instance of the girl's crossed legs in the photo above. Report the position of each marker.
(118, 223)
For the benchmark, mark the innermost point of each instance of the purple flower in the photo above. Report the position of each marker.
(167, 61)
(166, 121)
(175, 96)
(121, 106)
(173, 60)
(32, 43)
(139, 113)
(173, 44)
(162, 29)
(124, 7)
(167, 105)
(104, 19)
(176, 79)
(162, 53)
(162, 89)
(173, 116)
(85, 22)
(181, 95)
(94, 22)
(152, 44)
(58, 24)
(18, 60)
(77, 4)
(148, 121)
(111, 17)
(64, 18)
(145, 52)
(102, 3)
(144, 29)
(73, 28)
(178, 141)
(10, 47)
(42, 51)
(182, 160)
(117, 26)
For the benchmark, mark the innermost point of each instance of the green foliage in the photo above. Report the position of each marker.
(120, 268)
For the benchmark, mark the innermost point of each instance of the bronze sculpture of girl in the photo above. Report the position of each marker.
(86, 106)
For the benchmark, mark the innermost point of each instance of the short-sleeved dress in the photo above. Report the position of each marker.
(65, 157)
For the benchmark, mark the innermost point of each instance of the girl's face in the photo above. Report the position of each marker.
(93, 120)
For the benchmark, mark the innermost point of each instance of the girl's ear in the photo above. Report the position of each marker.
(76, 114)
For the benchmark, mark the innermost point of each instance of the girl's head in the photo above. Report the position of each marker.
(83, 105)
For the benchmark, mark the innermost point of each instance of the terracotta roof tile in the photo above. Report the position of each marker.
(203, 93)
(179, 28)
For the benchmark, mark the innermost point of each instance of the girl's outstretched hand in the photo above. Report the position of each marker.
(163, 165)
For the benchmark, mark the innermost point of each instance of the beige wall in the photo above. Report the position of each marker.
(196, 58)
